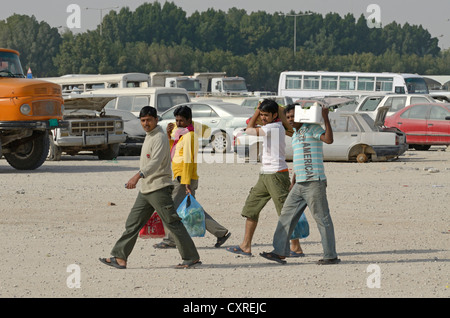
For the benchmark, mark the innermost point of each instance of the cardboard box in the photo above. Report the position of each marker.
(312, 115)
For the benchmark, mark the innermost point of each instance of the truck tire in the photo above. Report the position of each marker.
(110, 153)
(55, 151)
(30, 155)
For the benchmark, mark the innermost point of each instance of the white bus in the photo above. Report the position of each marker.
(74, 83)
(304, 84)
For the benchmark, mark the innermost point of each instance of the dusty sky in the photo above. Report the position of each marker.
(433, 15)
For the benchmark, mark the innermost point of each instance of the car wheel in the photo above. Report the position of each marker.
(110, 153)
(421, 147)
(220, 143)
(361, 158)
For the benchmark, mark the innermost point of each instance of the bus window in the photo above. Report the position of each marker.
(293, 82)
(90, 87)
(384, 84)
(329, 82)
(347, 83)
(366, 83)
(311, 82)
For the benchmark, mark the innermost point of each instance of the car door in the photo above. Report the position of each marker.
(204, 114)
(346, 133)
(413, 122)
(438, 129)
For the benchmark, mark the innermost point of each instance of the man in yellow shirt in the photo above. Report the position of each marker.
(184, 151)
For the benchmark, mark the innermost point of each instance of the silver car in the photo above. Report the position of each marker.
(357, 137)
(218, 119)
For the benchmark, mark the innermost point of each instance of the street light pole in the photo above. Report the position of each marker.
(295, 27)
(101, 15)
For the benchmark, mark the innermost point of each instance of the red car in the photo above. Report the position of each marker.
(424, 124)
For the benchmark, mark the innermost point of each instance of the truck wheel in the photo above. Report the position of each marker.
(110, 153)
(30, 155)
(55, 152)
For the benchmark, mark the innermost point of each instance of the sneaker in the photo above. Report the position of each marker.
(329, 261)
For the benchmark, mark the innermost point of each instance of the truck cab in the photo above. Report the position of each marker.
(229, 86)
(29, 108)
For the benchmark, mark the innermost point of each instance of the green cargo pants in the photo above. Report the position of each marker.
(144, 206)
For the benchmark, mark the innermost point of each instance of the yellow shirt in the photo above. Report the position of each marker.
(184, 161)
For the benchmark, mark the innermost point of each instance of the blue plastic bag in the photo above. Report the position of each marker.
(192, 216)
(301, 229)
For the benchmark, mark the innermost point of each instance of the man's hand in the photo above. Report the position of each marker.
(169, 129)
(131, 184)
(188, 189)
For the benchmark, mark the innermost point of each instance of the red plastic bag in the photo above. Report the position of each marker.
(154, 228)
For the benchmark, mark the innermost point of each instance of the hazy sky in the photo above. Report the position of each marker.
(433, 15)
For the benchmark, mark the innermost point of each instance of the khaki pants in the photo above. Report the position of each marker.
(273, 186)
(144, 206)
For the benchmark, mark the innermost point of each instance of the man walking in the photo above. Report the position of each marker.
(155, 194)
(309, 189)
(184, 166)
(273, 182)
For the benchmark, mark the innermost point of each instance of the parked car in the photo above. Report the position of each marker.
(89, 129)
(133, 99)
(424, 124)
(370, 104)
(134, 132)
(357, 137)
(219, 118)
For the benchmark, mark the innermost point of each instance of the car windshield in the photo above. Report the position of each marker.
(10, 65)
(416, 85)
(370, 104)
(234, 85)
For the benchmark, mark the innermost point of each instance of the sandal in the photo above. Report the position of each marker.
(223, 239)
(237, 250)
(328, 261)
(295, 254)
(164, 245)
(273, 257)
(112, 262)
(188, 265)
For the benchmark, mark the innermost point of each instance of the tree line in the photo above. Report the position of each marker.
(257, 46)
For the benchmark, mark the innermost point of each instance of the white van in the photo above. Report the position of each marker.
(370, 104)
(133, 99)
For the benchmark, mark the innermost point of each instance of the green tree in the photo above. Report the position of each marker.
(36, 41)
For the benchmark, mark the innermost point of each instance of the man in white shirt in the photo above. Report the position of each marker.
(273, 182)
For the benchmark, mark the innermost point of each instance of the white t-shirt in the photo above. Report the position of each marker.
(273, 156)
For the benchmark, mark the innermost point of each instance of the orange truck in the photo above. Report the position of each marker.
(29, 108)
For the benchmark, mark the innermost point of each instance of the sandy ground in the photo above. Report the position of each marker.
(391, 222)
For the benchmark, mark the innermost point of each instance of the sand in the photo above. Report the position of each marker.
(391, 221)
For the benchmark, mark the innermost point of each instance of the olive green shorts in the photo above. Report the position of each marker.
(273, 186)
